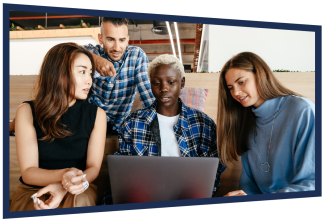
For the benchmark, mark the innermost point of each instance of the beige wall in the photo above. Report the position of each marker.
(302, 83)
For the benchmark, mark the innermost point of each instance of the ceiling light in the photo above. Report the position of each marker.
(178, 43)
(171, 38)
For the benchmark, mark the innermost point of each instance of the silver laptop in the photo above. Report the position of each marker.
(136, 179)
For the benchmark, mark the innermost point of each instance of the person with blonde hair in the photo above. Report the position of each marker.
(60, 138)
(168, 127)
(271, 127)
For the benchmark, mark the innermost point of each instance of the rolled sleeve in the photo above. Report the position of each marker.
(142, 80)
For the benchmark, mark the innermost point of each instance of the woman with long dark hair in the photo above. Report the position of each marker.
(271, 127)
(60, 138)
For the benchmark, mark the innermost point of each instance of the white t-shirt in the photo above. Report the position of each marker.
(169, 145)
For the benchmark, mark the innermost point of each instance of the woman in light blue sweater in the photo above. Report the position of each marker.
(271, 127)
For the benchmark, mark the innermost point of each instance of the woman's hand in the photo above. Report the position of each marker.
(235, 193)
(57, 193)
(74, 181)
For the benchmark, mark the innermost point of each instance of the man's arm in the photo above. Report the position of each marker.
(103, 66)
(142, 80)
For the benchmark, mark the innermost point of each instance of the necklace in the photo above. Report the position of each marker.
(268, 151)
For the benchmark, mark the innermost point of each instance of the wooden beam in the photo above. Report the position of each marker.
(56, 33)
(20, 29)
(41, 27)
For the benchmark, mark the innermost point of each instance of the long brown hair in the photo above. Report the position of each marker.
(235, 122)
(55, 88)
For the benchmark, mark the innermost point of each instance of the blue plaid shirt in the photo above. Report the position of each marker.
(115, 95)
(195, 133)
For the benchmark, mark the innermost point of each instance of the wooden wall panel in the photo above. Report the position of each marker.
(21, 89)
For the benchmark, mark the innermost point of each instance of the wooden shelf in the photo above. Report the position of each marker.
(56, 33)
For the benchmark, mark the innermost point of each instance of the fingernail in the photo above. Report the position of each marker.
(84, 183)
(83, 176)
(34, 199)
(38, 201)
(33, 195)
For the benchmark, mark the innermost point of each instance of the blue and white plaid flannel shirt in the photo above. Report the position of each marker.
(115, 95)
(195, 133)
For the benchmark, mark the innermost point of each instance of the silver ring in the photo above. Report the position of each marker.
(65, 186)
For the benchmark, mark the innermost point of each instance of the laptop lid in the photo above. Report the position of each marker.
(136, 179)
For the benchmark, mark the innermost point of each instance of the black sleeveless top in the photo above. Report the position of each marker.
(69, 151)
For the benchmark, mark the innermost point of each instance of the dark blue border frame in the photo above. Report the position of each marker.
(186, 19)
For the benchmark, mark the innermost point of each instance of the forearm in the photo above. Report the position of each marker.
(91, 173)
(97, 60)
(143, 83)
(95, 56)
(41, 177)
(305, 185)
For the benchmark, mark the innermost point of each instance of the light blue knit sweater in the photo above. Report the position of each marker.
(292, 151)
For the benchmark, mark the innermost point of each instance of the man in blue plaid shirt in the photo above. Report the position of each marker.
(168, 127)
(122, 71)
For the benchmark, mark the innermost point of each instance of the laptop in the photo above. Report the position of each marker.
(137, 179)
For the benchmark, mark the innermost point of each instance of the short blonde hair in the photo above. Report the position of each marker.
(166, 60)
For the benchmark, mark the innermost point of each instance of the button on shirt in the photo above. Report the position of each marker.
(115, 95)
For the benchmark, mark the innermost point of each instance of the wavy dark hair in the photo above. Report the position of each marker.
(55, 88)
(235, 122)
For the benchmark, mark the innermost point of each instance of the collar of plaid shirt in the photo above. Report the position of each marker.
(152, 112)
(117, 64)
(121, 61)
(182, 125)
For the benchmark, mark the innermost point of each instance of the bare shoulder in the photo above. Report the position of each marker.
(24, 111)
(100, 123)
(24, 119)
(101, 120)
(101, 115)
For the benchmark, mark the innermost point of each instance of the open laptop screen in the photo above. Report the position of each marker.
(136, 179)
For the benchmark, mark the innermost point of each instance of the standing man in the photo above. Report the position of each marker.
(121, 72)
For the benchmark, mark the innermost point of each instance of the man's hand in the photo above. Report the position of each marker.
(235, 193)
(104, 67)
